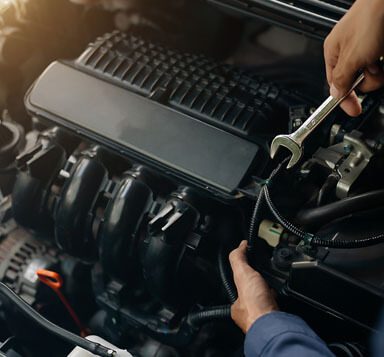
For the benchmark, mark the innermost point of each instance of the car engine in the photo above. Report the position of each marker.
(134, 156)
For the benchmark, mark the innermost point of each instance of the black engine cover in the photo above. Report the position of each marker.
(184, 114)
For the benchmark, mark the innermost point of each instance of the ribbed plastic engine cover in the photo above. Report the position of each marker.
(203, 122)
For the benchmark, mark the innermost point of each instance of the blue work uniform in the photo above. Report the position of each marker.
(278, 334)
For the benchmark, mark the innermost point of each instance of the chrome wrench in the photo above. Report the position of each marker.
(294, 142)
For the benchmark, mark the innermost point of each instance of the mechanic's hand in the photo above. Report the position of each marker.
(255, 298)
(356, 43)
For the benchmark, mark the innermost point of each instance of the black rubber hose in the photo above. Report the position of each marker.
(226, 278)
(209, 314)
(317, 241)
(328, 186)
(313, 240)
(61, 333)
(321, 215)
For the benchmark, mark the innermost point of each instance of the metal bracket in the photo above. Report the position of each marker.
(349, 158)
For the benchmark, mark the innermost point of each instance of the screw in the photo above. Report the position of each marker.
(347, 149)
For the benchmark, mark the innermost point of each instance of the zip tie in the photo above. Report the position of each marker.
(265, 182)
(307, 239)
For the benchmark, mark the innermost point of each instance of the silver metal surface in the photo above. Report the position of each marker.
(348, 158)
(294, 142)
(354, 165)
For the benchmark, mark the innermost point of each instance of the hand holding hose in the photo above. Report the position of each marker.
(255, 298)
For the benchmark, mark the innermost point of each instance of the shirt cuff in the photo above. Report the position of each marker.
(270, 325)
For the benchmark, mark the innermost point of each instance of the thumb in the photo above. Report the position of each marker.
(350, 105)
(239, 264)
(373, 80)
(238, 257)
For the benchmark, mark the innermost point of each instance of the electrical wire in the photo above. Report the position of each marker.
(309, 238)
(259, 206)
(280, 218)
(255, 219)
(348, 244)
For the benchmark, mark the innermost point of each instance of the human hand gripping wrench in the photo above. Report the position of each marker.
(294, 142)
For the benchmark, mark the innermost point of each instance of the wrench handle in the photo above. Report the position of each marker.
(321, 113)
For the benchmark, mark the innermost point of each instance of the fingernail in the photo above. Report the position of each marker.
(373, 69)
(334, 91)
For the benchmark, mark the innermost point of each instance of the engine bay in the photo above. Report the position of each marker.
(134, 156)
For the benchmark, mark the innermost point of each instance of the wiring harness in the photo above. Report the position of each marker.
(264, 200)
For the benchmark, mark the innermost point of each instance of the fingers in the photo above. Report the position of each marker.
(238, 259)
(338, 79)
(254, 295)
(344, 73)
(350, 105)
(239, 264)
(239, 255)
(374, 79)
(331, 55)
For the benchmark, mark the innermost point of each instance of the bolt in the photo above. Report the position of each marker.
(347, 149)
(297, 123)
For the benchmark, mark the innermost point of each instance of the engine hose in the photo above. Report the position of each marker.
(311, 239)
(225, 277)
(209, 314)
(316, 241)
(324, 214)
(52, 328)
(328, 186)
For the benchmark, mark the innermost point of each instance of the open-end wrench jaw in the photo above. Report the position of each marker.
(294, 142)
(288, 143)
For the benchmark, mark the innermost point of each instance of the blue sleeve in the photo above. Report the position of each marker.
(378, 339)
(279, 334)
